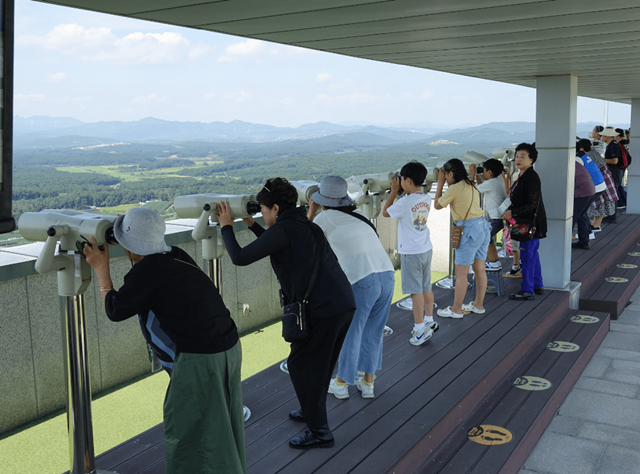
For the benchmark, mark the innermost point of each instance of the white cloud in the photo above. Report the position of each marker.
(147, 99)
(249, 49)
(102, 45)
(23, 97)
(324, 77)
(426, 94)
(56, 78)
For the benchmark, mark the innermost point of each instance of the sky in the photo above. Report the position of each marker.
(96, 67)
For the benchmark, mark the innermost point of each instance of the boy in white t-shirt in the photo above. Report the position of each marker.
(414, 246)
(492, 187)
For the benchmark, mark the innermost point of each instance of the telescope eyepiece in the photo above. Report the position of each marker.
(110, 237)
(253, 207)
(51, 232)
(206, 207)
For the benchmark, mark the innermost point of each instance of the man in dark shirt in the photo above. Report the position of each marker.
(612, 155)
(203, 419)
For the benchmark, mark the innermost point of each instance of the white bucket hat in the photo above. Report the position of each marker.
(141, 231)
(332, 192)
(609, 132)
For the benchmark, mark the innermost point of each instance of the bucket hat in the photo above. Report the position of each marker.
(608, 132)
(141, 231)
(332, 192)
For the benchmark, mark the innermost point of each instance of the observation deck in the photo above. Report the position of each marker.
(432, 401)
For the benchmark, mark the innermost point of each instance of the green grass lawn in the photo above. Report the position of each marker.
(127, 412)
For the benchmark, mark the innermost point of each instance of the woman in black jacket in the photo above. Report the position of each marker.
(526, 199)
(292, 243)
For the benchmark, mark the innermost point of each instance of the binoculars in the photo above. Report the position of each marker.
(70, 227)
(305, 189)
(240, 205)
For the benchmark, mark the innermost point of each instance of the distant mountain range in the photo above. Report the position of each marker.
(42, 131)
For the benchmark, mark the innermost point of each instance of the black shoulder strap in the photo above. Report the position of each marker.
(362, 218)
(316, 267)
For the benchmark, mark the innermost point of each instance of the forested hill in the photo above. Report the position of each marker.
(67, 164)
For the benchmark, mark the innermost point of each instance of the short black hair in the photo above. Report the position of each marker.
(495, 166)
(620, 132)
(278, 191)
(415, 171)
(583, 143)
(530, 148)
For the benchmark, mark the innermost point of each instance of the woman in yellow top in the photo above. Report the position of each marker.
(464, 201)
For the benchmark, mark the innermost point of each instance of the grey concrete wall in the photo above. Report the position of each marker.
(32, 381)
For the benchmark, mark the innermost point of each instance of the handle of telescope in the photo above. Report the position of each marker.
(201, 230)
(47, 260)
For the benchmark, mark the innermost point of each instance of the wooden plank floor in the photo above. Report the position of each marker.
(413, 391)
(420, 390)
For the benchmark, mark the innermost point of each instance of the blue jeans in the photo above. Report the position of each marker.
(476, 235)
(531, 270)
(362, 348)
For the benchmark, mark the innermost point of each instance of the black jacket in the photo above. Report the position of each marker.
(291, 245)
(183, 299)
(524, 199)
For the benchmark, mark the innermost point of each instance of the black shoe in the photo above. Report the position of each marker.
(521, 295)
(296, 416)
(609, 220)
(580, 245)
(538, 291)
(316, 438)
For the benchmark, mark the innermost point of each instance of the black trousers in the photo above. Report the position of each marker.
(580, 208)
(311, 363)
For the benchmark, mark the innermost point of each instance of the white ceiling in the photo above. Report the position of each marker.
(510, 41)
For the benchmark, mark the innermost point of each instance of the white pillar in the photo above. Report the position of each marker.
(633, 172)
(556, 105)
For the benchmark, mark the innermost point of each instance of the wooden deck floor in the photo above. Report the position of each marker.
(420, 391)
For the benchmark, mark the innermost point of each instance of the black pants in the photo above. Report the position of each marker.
(580, 208)
(311, 364)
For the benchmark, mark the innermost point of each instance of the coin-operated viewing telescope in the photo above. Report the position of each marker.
(71, 230)
(508, 157)
(192, 206)
(305, 189)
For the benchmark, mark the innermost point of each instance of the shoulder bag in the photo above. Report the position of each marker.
(295, 318)
(456, 230)
(525, 227)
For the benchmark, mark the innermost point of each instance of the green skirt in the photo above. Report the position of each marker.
(203, 419)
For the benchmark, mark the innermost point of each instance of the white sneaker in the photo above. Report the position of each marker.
(340, 391)
(431, 325)
(387, 331)
(365, 390)
(420, 337)
(493, 266)
(592, 236)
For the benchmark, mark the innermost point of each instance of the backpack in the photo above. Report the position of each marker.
(626, 158)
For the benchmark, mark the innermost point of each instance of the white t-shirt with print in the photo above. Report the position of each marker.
(412, 212)
(494, 195)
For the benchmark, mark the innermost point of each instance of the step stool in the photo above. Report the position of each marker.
(495, 283)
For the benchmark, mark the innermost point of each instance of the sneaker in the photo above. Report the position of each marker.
(447, 313)
(431, 325)
(596, 229)
(387, 331)
(521, 296)
(580, 245)
(493, 266)
(592, 236)
(538, 291)
(246, 413)
(340, 391)
(420, 337)
(515, 269)
(366, 390)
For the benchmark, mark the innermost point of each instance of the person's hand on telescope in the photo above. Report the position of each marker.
(95, 257)
(395, 184)
(249, 221)
(224, 214)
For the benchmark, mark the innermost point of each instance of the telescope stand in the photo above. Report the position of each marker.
(76, 367)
